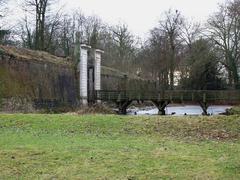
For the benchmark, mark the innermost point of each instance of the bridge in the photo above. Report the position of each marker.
(163, 98)
(96, 86)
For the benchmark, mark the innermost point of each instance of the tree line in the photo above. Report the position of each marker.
(178, 53)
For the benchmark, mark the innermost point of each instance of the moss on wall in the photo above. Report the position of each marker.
(36, 79)
(38, 75)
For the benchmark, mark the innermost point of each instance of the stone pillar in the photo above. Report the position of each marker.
(97, 70)
(83, 68)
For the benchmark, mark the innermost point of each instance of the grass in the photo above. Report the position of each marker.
(23, 54)
(119, 147)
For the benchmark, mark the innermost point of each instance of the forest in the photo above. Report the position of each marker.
(178, 52)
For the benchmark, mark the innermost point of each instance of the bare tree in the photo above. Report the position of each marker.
(159, 57)
(224, 28)
(3, 32)
(2, 7)
(26, 34)
(171, 25)
(91, 30)
(190, 32)
(52, 26)
(125, 43)
(39, 7)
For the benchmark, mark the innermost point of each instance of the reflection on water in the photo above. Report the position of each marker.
(179, 110)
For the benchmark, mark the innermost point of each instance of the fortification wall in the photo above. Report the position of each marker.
(49, 80)
(36, 76)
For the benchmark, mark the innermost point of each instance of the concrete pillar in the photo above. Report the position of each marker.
(83, 68)
(97, 70)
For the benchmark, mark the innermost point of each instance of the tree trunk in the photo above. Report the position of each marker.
(172, 61)
(234, 71)
(37, 28)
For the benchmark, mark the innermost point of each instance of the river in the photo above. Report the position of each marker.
(179, 110)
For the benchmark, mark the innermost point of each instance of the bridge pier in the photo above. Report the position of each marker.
(204, 107)
(161, 105)
(122, 106)
(204, 104)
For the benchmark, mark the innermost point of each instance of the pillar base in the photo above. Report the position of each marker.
(204, 107)
(84, 102)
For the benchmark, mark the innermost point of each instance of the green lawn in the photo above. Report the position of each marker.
(119, 147)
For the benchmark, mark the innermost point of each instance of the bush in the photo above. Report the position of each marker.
(233, 111)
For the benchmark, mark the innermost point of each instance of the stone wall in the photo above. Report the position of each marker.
(34, 78)
(46, 80)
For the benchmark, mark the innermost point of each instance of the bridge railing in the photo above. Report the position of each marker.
(125, 95)
(171, 95)
(201, 95)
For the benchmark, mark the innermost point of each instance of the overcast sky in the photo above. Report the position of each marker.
(142, 15)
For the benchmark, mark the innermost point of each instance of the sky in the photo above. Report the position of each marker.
(139, 15)
(142, 15)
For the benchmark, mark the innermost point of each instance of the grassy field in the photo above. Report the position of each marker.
(119, 147)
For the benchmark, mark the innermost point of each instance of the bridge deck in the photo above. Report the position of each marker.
(230, 96)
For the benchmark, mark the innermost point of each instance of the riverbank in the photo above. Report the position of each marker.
(233, 111)
(119, 147)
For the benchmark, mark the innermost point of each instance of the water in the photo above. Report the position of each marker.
(180, 110)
